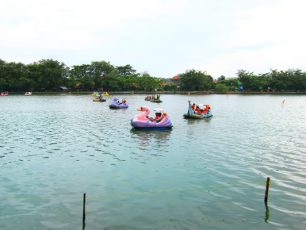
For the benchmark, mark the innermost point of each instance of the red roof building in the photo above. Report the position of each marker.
(176, 78)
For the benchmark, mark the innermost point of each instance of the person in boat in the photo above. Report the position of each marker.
(198, 110)
(123, 101)
(208, 108)
(193, 107)
(159, 116)
(205, 111)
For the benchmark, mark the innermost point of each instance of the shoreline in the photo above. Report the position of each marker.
(163, 92)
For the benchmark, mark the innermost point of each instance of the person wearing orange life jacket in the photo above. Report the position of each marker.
(198, 110)
(159, 116)
(205, 110)
(208, 108)
(193, 107)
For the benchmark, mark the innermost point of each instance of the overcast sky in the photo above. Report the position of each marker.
(162, 37)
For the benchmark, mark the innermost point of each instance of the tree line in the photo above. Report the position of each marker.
(49, 75)
(292, 80)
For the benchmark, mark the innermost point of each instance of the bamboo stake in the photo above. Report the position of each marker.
(267, 190)
(84, 213)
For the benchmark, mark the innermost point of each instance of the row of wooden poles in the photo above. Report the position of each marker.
(265, 200)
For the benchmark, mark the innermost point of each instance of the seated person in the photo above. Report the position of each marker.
(207, 108)
(193, 107)
(198, 110)
(158, 117)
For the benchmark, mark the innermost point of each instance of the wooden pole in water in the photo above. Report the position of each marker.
(267, 190)
(84, 213)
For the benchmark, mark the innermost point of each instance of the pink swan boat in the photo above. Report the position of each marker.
(142, 121)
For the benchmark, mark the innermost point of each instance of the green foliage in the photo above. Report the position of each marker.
(221, 78)
(252, 82)
(50, 75)
(196, 80)
(221, 88)
(46, 75)
(126, 70)
(290, 80)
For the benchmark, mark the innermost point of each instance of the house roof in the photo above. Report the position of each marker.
(176, 78)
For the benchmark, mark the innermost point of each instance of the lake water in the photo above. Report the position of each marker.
(204, 174)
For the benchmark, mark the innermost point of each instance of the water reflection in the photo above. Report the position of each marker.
(195, 121)
(145, 137)
(90, 144)
(267, 214)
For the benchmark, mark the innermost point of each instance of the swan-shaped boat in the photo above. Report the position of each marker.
(191, 114)
(142, 121)
(4, 94)
(97, 97)
(148, 98)
(153, 99)
(118, 105)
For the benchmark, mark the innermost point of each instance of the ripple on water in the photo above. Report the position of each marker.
(201, 174)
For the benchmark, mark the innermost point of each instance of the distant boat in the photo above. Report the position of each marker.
(4, 94)
(28, 94)
(99, 99)
(148, 98)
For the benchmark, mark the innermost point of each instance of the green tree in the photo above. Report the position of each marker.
(196, 80)
(125, 70)
(47, 74)
(221, 88)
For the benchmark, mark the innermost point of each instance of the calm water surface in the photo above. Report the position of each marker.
(201, 175)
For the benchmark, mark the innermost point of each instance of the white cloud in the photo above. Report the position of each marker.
(269, 36)
(163, 37)
(49, 27)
